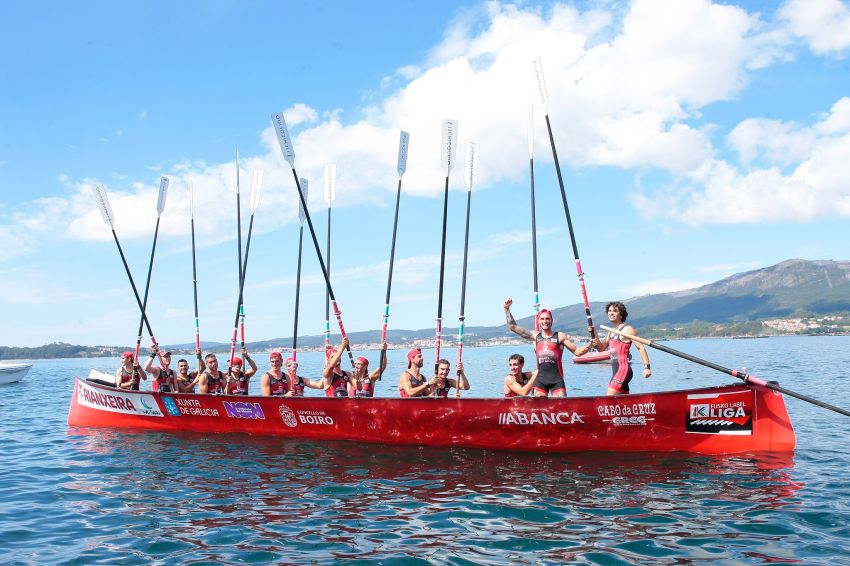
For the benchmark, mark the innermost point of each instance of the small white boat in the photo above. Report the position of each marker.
(10, 372)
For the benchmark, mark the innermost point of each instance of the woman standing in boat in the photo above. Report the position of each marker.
(620, 346)
(129, 375)
(362, 383)
(336, 379)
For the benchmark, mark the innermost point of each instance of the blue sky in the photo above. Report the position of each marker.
(696, 140)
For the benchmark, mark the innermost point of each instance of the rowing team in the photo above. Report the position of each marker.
(549, 346)
(335, 381)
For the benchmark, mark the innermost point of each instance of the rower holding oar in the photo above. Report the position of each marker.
(238, 379)
(335, 379)
(163, 378)
(130, 374)
(548, 347)
(442, 383)
(620, 346)
(742, 375)
(362, 383)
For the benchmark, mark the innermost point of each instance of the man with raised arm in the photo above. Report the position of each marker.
(548, 347)
(335, 380)
(163, 378)
(412, 383)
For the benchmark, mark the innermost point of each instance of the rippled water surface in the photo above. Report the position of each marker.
(83, 496)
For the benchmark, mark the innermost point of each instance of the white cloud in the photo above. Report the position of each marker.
(817, 187)
(626, 85)
(824, 24)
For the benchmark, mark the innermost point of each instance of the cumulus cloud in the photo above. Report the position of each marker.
(626, 85)
(817, 186)
(824, 24)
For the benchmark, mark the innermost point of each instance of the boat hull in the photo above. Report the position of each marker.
(718, 420)
(603, 357)
(10, 373)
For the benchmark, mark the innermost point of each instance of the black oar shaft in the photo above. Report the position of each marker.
(147, 287)
(742, 375)
(390, 274)
(534, 241)
(239, 245)
(465, 255)
(133, 285)
(570, 227)
(321, 260)
(327, 293)
(297, 289)
(438, 341)
(195, 290)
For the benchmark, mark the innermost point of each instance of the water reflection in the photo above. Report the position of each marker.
(290, 499)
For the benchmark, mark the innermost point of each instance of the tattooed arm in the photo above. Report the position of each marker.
(512, 325)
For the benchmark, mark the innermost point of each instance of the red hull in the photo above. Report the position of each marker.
(717, 420)
(602, 357)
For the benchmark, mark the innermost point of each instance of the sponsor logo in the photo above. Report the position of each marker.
(288, 416)
(193, 408)
(521, 418)
(117, 401)
(243, 410)
(314, 417)
(629, 421)
(171, 406)
(721, 413)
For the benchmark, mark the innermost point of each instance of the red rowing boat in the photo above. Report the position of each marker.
(716, 420)
(602, 357)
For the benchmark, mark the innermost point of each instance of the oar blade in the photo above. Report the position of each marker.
(403, 144)
(103, 205)
(541, 95)
(256, 187)
(330, 183)
(283, 138)
(302, 215)
(449, 146)
(163, 192)
(471, 171)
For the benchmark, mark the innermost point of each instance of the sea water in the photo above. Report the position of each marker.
(85, 496)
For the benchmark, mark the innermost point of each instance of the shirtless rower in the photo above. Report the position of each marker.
(130, 374)
(412, 383)
(442, 382)
(518, 383)
(163, 377)
(238, 379)
(362, 383)
(549, 347)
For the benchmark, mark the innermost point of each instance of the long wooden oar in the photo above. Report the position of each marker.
(447, 159)
(108, 217)
(286, 148)
(256, 187)
(305, 186)
(536, 304)
(330, 196)
(403, 144)
(742, 375)
(194, 271)
(470, 173)
(160, 206)
(239, 246)
(544, 101)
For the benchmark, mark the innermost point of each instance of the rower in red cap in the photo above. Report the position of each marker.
(362, 383)
(412, 383)
(238, 379)
(130, 373)
(285, 382)
(549, 347)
